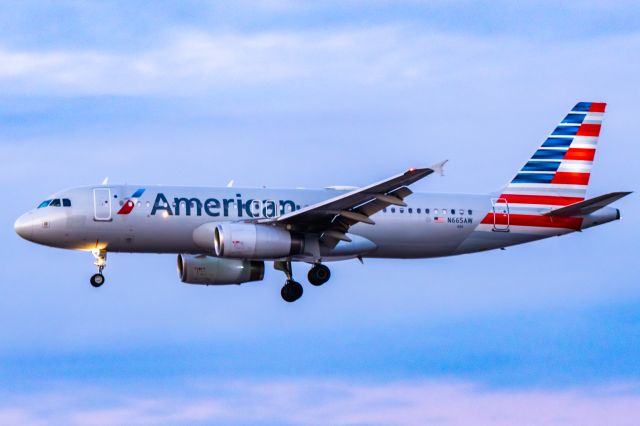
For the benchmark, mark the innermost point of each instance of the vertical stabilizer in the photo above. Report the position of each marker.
(558, 172)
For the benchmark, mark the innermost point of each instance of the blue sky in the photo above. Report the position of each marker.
(286, 93)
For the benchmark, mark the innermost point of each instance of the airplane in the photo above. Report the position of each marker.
(225, 235)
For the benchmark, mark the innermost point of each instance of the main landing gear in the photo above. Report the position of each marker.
(101, 262)
(319, 274)
(292, 290)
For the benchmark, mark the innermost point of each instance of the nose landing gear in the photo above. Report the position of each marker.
(97, 280)
(101, 262)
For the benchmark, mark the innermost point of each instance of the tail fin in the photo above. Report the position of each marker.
(558, 172)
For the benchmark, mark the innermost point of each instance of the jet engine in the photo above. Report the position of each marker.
(248, 240)
(210, 270)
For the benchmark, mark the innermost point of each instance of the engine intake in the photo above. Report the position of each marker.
(210, 270)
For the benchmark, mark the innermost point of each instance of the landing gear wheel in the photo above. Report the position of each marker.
(319, 275)
(291, 291)
(97, 280)
(101, 262)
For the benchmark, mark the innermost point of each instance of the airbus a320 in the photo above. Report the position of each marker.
(225, 235)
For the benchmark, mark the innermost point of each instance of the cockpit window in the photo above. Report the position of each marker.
(44, 204)
(55, 203)
(66, 202)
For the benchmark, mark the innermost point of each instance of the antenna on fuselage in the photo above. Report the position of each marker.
(230, 184)
(106, 181)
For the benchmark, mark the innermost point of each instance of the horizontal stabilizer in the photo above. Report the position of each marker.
(586, 207)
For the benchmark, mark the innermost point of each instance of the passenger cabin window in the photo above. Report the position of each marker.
(44, 204)
(461, 212)
(453, 211)
(55, 203)
(418, 211)
(393, 210)
(444, 211)
(66, 202)
(470, 212)
(410, 210)
(426, 211)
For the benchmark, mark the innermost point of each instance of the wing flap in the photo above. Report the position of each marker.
(332, 218)
(341, 224)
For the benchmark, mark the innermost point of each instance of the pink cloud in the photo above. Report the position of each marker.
(310, 402)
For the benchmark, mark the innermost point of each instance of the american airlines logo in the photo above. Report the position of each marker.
(130, 203)
(216, 207)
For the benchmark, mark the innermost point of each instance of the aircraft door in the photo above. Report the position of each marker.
(102, 204)
(500, 215)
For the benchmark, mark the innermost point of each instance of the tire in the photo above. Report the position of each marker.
(291, 291)
(97, 280)
(319, 275)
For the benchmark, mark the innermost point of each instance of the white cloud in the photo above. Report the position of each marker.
(311, 402)
(191, 62)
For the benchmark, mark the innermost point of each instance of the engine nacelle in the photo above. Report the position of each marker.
(210, 270)
(247, 240)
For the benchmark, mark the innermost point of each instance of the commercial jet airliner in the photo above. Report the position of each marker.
(225, 235)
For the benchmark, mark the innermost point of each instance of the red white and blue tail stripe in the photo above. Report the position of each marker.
(558, 172)
(556, 175)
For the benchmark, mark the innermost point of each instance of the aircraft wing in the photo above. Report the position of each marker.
(332, 218)
(587, 206)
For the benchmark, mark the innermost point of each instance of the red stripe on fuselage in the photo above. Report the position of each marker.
(570, 178)
(540, 199)
(574, 223)
(582, 154)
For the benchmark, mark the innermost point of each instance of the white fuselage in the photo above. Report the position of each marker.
(431, 225)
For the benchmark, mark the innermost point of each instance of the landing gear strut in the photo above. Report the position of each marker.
(319, 274)
(292, 290)
(101, 262)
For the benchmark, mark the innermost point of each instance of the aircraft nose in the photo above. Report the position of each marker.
(24, 227)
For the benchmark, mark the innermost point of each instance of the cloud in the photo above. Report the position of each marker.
(311, 402)
(188, 62)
